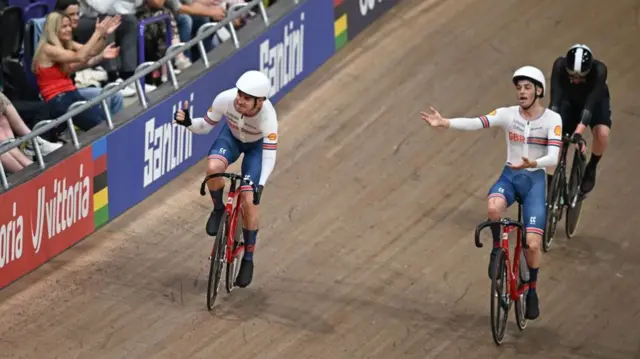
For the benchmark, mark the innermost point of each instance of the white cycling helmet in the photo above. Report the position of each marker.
(254, 83)
(532, 74)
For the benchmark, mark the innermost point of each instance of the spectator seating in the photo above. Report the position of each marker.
(11, 31)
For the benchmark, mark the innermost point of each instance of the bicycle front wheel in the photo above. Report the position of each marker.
(217, 262)
(500, 301)
(233, 265)
(521, 302)
(574, 207)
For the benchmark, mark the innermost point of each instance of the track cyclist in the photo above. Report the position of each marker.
(533, 136)
(579, 93)
(251, 128)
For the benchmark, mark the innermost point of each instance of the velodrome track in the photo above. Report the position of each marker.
(366, 242)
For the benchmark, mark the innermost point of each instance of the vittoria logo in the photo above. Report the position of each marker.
(61, 207)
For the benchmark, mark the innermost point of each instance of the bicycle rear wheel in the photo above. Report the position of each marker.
(500, 301)
(553, 207)
(215, 271)
(233, 266)
(574, 207)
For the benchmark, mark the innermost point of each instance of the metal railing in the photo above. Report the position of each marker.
(142, 70)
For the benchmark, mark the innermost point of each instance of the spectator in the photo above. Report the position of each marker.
(190, 15)
(223, 34)
(155, 38)
(126, 36)
(54, 59)
(11, 122)
(72, 9)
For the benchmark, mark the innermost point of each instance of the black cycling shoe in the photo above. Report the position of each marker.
(589, 180)
(213, 223)
(245, 275)
(492, 259)
(532, 312)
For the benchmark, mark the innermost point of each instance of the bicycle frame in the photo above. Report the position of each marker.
(513, 271)
(232, 208)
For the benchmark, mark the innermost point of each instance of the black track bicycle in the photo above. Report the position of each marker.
(564, 193)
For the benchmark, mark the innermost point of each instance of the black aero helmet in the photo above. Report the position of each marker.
(579, 60)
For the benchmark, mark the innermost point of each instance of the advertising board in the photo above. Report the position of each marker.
(46, 215)
(353, 16)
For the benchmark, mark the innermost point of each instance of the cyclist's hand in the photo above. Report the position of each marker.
(182, 116)
(577, 138)
(525, 164)
(434, 119)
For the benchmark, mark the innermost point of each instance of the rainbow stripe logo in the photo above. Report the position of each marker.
(100, 188)
(340, 24)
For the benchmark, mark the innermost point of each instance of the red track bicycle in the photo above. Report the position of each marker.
(508, 282)
(228, 245)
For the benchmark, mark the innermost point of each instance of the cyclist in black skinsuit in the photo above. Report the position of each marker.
(579, 93)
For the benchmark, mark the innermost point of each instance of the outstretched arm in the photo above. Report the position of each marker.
(494, 118)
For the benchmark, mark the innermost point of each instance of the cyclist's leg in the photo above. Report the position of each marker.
(600, 126)
(501, 196)
(224, 151)
(251, 169)
(534, 214)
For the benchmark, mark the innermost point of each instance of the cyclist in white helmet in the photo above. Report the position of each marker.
(251, 128)
(533, 135)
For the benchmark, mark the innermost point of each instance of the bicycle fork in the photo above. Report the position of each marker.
(507, 275)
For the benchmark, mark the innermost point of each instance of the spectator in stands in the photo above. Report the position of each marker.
(190, 15)
(55, 59)
(155, 38)
(223, 34)
(10, 123)
(126, 36)
(72, 9)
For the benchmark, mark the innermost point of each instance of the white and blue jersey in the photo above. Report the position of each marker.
(256, 137)
(538, 140)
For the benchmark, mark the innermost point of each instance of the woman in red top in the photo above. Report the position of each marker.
(55, 58)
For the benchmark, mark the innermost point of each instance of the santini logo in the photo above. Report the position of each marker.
(165, 147)
(283, 61)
